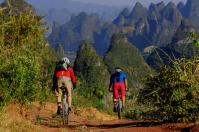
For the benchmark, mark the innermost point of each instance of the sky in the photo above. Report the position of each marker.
(126, 2)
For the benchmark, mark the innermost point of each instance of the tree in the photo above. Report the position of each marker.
(93, 74)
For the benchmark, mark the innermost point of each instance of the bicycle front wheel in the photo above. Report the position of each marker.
(119, 108)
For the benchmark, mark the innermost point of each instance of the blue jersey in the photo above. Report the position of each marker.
(118, 77)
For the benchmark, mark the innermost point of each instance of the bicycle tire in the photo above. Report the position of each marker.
(65, 113)
(119, 108)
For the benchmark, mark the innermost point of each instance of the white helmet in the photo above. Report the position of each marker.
(66, 60)
(117, 69)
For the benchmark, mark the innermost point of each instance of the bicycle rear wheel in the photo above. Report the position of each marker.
(65, 112)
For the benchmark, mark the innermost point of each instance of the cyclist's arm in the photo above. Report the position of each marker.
(126, 84)
(72, 75)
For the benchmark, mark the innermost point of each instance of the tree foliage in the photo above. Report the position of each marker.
(25, 58)
(93, 74)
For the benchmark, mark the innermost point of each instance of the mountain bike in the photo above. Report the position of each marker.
(65, 110)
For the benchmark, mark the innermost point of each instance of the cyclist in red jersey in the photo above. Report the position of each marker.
(63, 76)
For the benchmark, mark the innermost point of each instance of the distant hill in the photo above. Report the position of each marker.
(155, 25)
(83, 27)
(65, 8)
(181, 46)
(191, 11)
(60, 16)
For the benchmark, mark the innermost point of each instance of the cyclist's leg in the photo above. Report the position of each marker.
(123, 96)
(68, 85)
(58, 94)
(115, 91)
(123, 101)
(115, 96)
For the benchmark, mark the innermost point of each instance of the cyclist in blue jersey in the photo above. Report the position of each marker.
(118, 80)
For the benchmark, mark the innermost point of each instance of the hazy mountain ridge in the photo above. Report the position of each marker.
(83, 27)
(60, 11)
(181, 46)
(191, 12)
(65, 8)
(155, 25)
(143, 27)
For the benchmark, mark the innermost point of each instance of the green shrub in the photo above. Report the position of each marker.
(25, 58)
(21, 76)
(173, 93)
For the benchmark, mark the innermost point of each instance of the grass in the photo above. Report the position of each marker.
(12, 121)
(7, 124)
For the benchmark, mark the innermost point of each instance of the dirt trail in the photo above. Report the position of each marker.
(87, 119)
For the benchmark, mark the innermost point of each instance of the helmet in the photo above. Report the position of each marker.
(66, 60)
(117, 69)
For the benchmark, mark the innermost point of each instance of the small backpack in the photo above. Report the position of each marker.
(61, 66)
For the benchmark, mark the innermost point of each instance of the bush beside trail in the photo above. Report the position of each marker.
(25, 57)
(173, 93)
